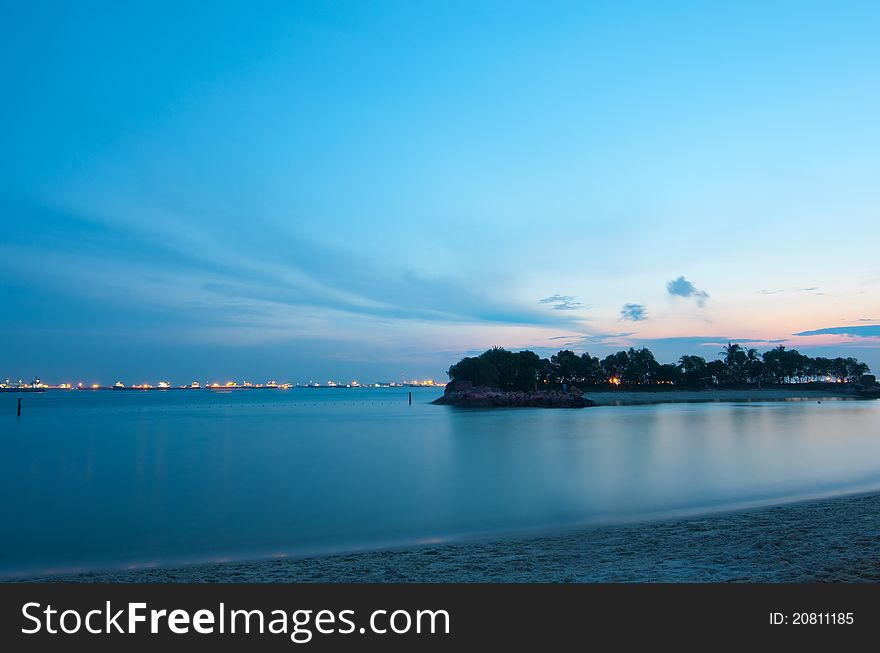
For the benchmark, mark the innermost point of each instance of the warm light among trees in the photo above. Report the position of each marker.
(525, 370)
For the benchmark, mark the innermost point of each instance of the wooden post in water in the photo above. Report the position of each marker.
(18, 414)
(410, 398)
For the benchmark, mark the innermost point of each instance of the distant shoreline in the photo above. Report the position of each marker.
(632, 397)
(831, 539)
(481, 397)
(627, 396)
(224, 388)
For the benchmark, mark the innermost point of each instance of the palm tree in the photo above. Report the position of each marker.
(730, 353)
(693, 369)
(734, 361)
(754, 366)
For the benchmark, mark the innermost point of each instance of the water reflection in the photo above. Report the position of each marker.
(103, 480)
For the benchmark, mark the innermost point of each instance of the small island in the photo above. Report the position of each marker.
(502, 378)
(465, 393)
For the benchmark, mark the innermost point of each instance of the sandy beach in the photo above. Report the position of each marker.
(835, 539)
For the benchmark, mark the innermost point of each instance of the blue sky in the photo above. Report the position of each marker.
(370, 190)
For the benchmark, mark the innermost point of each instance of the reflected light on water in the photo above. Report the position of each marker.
(127, 480)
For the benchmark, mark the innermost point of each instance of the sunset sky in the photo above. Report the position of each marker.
(371, 190)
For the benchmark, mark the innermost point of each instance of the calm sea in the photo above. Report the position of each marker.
(104, 480)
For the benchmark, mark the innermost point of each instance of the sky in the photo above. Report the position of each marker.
(371, 190)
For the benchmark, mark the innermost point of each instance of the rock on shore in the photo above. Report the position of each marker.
(465, 393)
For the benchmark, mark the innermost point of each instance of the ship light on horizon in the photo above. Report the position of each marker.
(119, 384)
(95, 386)
(164, 384)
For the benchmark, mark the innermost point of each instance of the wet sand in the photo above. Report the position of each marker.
(834, 539)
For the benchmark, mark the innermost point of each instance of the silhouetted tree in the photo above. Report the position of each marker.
(735, 361)
(566, 366)
(503, 362)
(524, 370)
(641, 366)
(774, 364)
(614, 365)
(821, 369)
(693, 369)
(855, 369)
(717, 370)
(591, 370)
(754, 366)
(667, 373)
(477, 370)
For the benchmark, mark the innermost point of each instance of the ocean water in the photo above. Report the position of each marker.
(108, 480)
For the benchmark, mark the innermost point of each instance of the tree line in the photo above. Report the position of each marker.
(525, 370)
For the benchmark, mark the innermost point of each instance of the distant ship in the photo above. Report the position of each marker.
(119, 385)
(36, 386)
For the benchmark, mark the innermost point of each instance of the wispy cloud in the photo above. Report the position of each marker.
(865, 331)
(279, 280)
(810, 289)
(562, 302)
(594, 338)
(681, 287)
(689, 342)
(633, 313)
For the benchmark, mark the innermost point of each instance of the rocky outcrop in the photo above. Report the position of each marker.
(465, 393)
